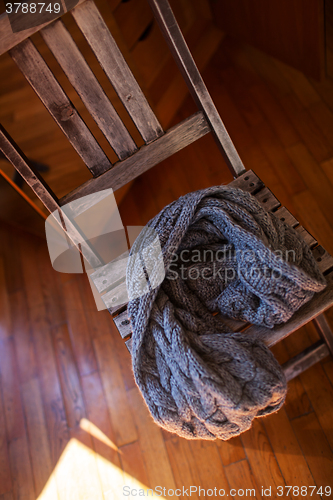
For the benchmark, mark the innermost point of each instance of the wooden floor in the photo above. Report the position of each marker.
(72, 422)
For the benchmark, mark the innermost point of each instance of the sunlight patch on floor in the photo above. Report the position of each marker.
(83, 474)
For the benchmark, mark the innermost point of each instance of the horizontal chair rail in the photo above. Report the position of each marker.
(147, 156)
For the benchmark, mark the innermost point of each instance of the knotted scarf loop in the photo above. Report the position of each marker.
(222, 253)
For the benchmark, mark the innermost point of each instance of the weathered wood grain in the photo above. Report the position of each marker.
(248, 181)
(240, 474)
(119, 406)
(307, 237)
(231, 451)
(78, 328)
(285, 447)
(315, 447)
(40, 77)
(323, 258)
(324, 330)
(305, 359)
(175, 139)
(63, 47)
(267, 199)
(5, 475)
(110, 58)
(5, 319)
(40, 452)
(283, 214)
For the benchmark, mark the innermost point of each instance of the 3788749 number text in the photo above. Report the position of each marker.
(32, 8)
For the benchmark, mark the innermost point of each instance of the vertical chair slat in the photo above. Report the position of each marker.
(110, 58)
(65, 50)
(40, 77)
(195, 83)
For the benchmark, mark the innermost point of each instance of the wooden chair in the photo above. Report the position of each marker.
(158, 145)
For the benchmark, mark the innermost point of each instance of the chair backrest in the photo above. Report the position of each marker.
(158, 144)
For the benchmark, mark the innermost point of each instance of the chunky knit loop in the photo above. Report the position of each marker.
(222, 252)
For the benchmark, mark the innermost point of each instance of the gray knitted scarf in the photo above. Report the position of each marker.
(222, 252)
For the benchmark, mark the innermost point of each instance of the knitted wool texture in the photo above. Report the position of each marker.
(198, 379)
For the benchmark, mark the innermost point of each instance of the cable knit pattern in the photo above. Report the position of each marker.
(223, 252)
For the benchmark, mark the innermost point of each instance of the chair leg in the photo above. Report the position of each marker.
(314, 353)
(305, 360)
(324, 329)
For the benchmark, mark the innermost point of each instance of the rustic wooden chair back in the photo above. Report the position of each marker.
(158, 145)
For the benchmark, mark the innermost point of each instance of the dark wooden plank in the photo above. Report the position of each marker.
(323, 258)
(271, 27)
(7, 496)
(267, 199)
(68, 375)
(5, 475)
(5, 318)
(248, 181)
(307, 237)
(175, 139)
(119, 404)
(9, 39)
(78, 328)
(23, 341)
(110, 58)
(64, 49)
(283, 214)
(39, 446)
(314, 444)
(38, 74)
(21, 468)
(11, 391)
(189, 70)
(305, 359)
(53, 404)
